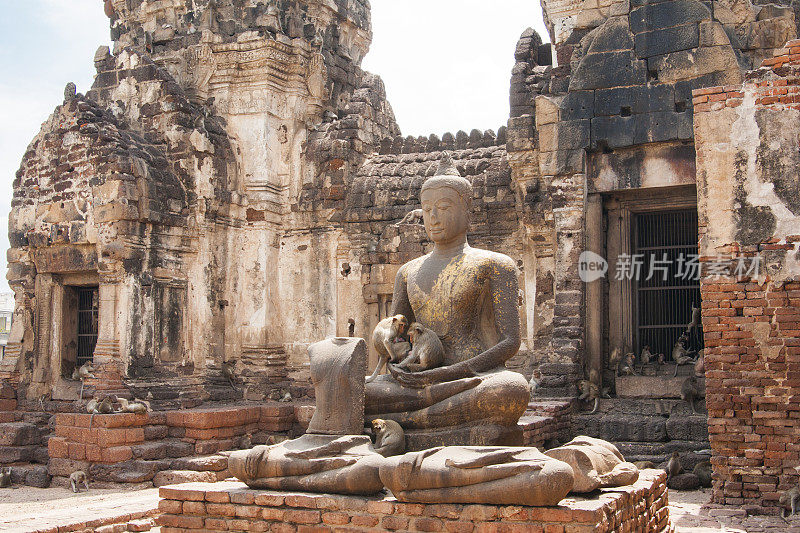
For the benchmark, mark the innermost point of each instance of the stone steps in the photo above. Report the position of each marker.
(645, 429)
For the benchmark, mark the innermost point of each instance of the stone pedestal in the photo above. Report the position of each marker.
(231, 506)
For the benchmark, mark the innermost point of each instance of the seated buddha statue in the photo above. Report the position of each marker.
(468, 297)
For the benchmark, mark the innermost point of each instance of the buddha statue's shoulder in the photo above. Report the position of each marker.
(491, 262)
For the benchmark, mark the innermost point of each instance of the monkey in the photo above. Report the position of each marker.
(662, 360)
(646, 356)
(389, 437)
(105, 407)
(287, 397)
(700, 363)
(78, 478)
(86, 370)
(703, 472)
(386, 332)
(614, 359)
(91, 407)
(427, 351)
(536, 377)
(551, 443)
(132, 407)
(674, 466)
(246, 442)
(790, 501)
(228, 372)
(625, 367)
(5, 478)
(680, 355)
(690, 391)
(695, 321)
(590, 392)
(412, 217)
(641, 465)
(351, 327)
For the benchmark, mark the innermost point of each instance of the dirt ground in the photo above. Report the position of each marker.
(25, 509)
(690, 511)
(28, 508)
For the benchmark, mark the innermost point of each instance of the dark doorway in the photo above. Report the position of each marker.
(666, 243)
(88, 306)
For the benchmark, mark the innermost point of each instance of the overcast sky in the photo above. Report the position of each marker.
(446, 65)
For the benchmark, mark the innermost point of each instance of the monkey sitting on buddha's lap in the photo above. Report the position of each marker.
(426, 349)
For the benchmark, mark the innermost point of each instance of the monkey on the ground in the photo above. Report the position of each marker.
(426, 349)
(135, 406)
(790, 501)
(661, 359)
(646, 356)
(76, 479)
(700, 363)
(625, 367)
(703, 472)
(591, 391)
(5, 478)
(674, 466)
(690, 391)
(85, 371)
(228, 372)
(385, 334)
(389, 437)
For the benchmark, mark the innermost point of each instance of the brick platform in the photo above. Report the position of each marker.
(143, 444)
(231, 506)
(546, 420)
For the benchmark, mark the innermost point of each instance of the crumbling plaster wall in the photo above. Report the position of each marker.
(747, 159)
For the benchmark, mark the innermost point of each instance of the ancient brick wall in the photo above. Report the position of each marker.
(747, 138)
(227, 506)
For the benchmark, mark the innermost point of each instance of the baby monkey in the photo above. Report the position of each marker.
(385, 334)
(5, 478)
(76, 479)
(427, 351)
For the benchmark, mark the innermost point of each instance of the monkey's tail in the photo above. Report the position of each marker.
(596, 405)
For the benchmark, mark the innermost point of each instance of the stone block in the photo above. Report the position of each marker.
(659, 42)
(577, 105)
(655, 127)
(564, 135)
(667, 14)
(686, 427)
(211, 463)
(613, 132)
(16, 454)
(174, 477)
(19, 434)
(127, 472)
(608, 69)
(634, 100)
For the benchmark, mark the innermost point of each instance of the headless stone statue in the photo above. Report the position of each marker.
(333, 456)
(468, 297)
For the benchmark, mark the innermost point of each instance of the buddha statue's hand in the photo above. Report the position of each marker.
(424, 378)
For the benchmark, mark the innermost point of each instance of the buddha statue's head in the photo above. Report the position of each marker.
(446, 202)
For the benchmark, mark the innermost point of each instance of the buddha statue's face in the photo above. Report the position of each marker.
(445, 215)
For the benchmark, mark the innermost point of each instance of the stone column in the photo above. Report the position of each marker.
(107, 356)
(595, 302)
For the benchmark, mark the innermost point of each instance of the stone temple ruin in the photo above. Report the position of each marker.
(234, 188)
